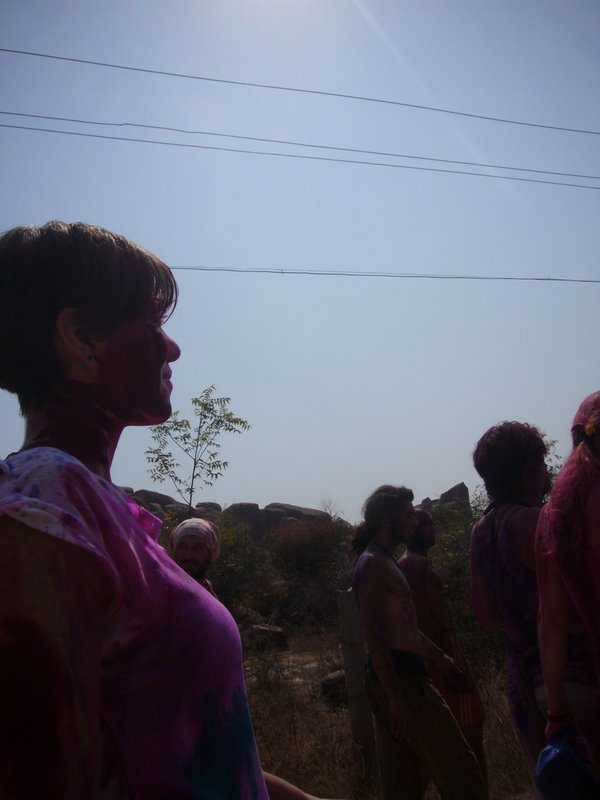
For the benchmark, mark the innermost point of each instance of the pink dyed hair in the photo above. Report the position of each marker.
(565, 512)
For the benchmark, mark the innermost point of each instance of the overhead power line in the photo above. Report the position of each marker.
(291, 143)
(377, 274)
(299, 90)
(297, 156)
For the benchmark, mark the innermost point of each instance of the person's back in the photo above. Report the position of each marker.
(503, 554)
(510, 459)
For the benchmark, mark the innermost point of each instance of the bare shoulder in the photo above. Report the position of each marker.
(376, 574)
(415, 568)
(372, 566)
(523, 519)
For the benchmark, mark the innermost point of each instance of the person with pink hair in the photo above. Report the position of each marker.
(568, 569)
(510, 457)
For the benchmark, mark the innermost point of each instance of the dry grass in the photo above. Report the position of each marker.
(308, 742)
(301, 738)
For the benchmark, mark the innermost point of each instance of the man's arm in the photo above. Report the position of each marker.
(443, 661)
(282, 790)
(374, 586)
(483, 600)
(52, 600)
(426, 589)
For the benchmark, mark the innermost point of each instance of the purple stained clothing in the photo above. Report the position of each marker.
(514, 588)
(572, 541)
(172, 704)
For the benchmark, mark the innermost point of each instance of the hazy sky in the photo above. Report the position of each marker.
(347, 382)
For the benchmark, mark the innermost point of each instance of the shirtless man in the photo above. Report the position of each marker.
(433, 616)
(417, 736)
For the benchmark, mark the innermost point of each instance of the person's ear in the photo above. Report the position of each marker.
(75, 347)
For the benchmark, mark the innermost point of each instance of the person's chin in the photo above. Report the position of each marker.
(155, 415)
(196, 574)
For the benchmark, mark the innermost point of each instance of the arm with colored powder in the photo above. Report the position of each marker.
(282, 790)
(443, 661)
(552, 637)
(52, 597)
(426, 587)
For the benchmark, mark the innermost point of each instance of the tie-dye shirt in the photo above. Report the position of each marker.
(170, 713)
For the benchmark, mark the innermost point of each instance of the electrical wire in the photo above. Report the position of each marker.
(281, 88)
(292, 143)
(298, 156)
(378, 274)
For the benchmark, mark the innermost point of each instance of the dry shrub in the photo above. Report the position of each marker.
(508, 775)
(300, 737)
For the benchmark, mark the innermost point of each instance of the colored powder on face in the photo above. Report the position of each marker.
(132, 376)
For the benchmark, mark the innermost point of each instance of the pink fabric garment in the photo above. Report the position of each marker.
(579, 568)
(172, 698)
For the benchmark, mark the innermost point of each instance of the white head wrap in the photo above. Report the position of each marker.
(205, 530)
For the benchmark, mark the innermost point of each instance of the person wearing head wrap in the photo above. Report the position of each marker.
(195, 545)
(568, 567)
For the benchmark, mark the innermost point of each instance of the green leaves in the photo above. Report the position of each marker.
(195, 443)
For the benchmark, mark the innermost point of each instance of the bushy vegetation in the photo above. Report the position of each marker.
(290, 577)
(312, 558)
(450, 557)
(243, 575)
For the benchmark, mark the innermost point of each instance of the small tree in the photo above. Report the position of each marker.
(198, 443)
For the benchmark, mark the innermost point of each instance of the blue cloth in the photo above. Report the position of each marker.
(561, 773)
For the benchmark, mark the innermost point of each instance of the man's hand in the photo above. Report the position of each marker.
(452, 672)
(401, 722)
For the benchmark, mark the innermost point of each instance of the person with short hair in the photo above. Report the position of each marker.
(417, 736)
(433, 618)
(510, 458)
(120, 677)
(195, 545)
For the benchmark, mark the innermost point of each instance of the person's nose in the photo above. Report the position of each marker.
(173, 349)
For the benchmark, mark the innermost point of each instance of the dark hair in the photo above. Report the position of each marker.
(501, 455)
(107, 278)
(423, 516)
(385, 504)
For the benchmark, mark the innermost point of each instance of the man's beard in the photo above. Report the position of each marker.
(193, 570)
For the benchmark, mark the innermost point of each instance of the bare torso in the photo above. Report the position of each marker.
(386, 605)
